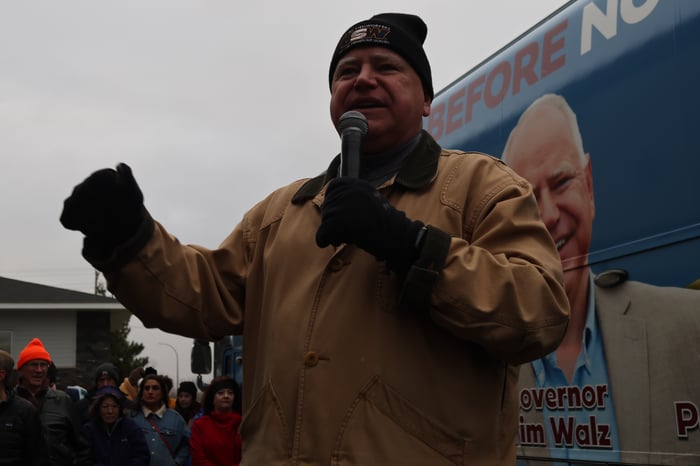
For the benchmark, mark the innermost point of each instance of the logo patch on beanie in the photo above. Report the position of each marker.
(371, 33)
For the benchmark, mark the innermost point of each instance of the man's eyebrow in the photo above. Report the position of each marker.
(558, 173)
(378, 55)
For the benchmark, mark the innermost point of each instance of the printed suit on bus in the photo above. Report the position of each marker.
(652, 349)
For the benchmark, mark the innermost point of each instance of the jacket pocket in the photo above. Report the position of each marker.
(264, 420)
(383, 428)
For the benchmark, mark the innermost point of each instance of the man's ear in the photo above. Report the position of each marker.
(427, 102)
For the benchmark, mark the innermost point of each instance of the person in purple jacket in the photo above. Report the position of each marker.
(114, 439)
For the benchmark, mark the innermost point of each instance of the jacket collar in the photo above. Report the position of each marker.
(160, 412)
(419, 169)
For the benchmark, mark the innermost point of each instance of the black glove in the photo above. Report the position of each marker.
(354, 212)
(107, 208)
(135, 375)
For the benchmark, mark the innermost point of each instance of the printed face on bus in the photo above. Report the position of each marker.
(543, 151)
(381, 85)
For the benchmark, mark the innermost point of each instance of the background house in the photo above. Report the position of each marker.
(74, 326)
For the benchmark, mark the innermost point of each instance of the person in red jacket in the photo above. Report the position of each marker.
(215, 438)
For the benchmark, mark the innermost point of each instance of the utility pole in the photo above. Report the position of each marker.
(177, 363)
(100, 289)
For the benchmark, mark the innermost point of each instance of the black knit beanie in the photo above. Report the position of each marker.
(107, 369)
(400, 32)
(188, 387)
(217, 385)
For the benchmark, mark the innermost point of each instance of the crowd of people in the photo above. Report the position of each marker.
(136, 423)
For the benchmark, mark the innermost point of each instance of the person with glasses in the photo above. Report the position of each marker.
(59, 418)
(115, 440)
(165, 431)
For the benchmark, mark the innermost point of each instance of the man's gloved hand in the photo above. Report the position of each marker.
(107, 208)
(135, 375)
(354, 212)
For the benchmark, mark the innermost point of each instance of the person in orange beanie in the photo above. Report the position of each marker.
(60, 420)
(34, 350)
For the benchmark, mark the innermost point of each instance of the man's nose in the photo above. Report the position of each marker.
(366, 76)
(548, 209)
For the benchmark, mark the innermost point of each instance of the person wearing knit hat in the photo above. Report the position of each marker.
(33, 367)
(343, 283)
(105, 375)
(60, 421)
(379, 68)
(186, 401)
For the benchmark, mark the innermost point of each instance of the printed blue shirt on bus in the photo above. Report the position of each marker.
(572, 430)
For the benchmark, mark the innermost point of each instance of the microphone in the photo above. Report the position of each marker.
(352, 127)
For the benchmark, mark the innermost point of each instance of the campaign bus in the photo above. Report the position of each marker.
(597, 106)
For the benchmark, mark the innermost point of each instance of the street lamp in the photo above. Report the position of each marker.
(177, 363)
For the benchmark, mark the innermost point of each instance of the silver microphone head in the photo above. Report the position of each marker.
(353, 119)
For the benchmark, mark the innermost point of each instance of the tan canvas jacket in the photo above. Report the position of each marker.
(336, 372)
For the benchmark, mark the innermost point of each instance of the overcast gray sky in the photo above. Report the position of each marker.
(212, 103)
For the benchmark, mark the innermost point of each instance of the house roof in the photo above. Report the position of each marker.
(17, 293)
